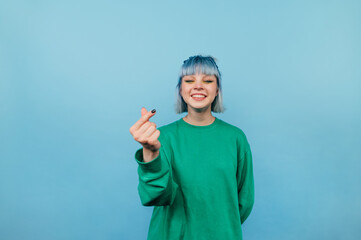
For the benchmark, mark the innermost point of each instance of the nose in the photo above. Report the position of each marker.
(198, 85)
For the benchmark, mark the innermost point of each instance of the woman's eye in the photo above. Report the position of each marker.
(190, 81)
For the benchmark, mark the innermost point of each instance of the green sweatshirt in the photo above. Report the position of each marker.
(201, 184)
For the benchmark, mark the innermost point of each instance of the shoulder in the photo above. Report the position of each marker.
(225, 126)
(234, 131)
(168, 129)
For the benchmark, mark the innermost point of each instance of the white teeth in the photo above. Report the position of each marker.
(198, 96)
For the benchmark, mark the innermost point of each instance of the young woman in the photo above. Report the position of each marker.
(196, 171)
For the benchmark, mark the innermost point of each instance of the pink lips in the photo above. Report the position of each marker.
(199, 98)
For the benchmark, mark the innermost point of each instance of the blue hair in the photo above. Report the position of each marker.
(199, 65)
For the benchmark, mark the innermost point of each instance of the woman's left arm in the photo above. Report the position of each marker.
(245, 183)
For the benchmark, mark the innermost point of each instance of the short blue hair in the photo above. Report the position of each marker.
(201, 65)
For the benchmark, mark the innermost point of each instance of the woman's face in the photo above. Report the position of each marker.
(199, 90)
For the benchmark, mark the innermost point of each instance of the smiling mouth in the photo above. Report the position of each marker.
(198, 97)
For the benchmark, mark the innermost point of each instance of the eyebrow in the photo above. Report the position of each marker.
(205, 76)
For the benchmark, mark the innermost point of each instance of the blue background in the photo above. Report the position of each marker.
(75, 74)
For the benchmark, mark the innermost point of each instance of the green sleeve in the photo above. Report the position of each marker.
(156, 186)
(245, 184)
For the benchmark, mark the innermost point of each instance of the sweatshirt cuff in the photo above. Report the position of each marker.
(152, 166)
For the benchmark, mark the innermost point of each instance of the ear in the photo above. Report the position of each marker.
(180, 91)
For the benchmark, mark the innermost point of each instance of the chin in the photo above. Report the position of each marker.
(200, 108)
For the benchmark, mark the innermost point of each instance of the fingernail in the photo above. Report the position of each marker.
(153, 111)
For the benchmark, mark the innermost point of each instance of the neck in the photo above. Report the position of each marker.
(203, 118)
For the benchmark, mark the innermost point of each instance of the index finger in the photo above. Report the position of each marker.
(144, 119)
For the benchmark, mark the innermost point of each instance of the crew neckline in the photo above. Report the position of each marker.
(209, 126)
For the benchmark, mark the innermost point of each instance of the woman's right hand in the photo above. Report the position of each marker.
(146, 133)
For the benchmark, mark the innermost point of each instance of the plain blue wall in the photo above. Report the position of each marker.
(75, 74)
